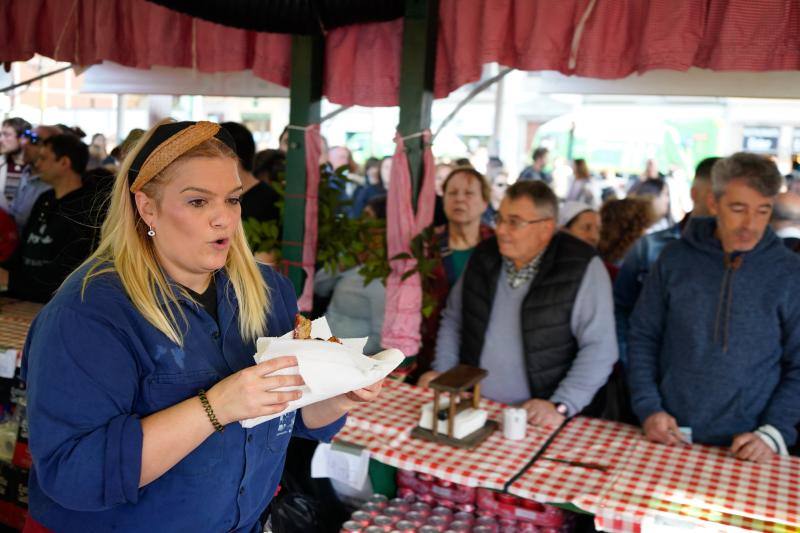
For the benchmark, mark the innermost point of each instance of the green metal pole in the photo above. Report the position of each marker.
(305, 94)
(416, 79)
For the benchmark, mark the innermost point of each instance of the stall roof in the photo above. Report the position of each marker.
(109, 77)
(593, 39)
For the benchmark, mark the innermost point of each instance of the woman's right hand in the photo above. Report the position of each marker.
(425, 379)
(251, 392)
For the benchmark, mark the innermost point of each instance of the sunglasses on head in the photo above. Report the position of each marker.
(31, 135)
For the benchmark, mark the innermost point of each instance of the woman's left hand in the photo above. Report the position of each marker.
(365, 395)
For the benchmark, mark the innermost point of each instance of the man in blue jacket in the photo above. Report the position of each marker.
(644, 253)
(714, 343)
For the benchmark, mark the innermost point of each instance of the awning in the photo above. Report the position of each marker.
(109, 77)
(604, 39)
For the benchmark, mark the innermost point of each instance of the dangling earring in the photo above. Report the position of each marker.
(151, 232)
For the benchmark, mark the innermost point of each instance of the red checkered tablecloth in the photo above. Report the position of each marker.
(702, 483)
(599, 444)
(621, 478)
(384, 428)
(15, 320)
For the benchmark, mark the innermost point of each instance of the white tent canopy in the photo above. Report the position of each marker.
(109, 77)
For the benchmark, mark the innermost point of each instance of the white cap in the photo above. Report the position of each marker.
(569, 210)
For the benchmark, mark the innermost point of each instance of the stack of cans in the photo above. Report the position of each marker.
(442, 506)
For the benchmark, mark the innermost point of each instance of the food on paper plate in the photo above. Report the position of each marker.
(302, 330)
(302, 327)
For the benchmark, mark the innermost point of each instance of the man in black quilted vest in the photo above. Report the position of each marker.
(534, 308)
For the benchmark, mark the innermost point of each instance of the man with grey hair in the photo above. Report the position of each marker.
(714, 342)
(534, 308)
(786, 219)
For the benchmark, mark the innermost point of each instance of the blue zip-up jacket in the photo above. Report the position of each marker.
(94, 367)
(715, 340)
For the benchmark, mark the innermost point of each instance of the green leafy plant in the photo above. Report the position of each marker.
(425, 251)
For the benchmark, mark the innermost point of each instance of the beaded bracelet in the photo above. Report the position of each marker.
(209, 411)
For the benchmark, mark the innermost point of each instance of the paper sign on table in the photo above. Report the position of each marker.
(328, 368)
(8, 363)
(347, 467)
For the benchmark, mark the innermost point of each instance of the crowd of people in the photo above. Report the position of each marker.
(586, 302)
(582, 290)
(607, 306)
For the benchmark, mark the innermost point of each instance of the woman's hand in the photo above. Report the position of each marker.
(251, 392)
(327, 411)
(365, 395)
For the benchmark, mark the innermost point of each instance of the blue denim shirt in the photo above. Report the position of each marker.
(95, 367)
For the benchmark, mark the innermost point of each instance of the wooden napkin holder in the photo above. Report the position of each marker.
(456, 382)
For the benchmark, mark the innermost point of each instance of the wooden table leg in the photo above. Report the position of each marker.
(434, 416)
(452, 418)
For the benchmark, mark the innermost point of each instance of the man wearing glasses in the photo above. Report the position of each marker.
(30, 186)
(534, 308)
(11, 158)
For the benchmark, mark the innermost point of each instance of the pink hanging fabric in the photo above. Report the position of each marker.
(313, 150)
(403, 314)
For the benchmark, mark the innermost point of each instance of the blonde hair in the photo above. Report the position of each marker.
(125, 249)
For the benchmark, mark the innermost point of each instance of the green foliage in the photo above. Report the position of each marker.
(344, 242)
(426, 252)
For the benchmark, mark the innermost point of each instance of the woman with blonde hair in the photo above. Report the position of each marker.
(141, 366)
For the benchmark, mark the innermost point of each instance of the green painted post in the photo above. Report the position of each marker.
(416, 79)
(304, 109)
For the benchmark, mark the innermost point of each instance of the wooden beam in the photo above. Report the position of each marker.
(416, 79)
(304, 109)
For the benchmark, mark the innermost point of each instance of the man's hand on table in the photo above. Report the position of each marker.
(751, 447)
(543, 413)
(425, 379)
(663, 428)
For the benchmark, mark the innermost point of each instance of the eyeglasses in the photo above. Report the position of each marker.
(515, 223)
(31, 135)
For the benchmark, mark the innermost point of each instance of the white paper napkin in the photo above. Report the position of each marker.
(328, 368)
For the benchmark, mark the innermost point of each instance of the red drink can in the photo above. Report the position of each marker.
(507, 499)
(351, 526)
(383, 522)
(362, 518)
(416, 518)
(439, 522)
(421, 507)
(380, 500)
(372, 509)
(460, 525)
(463, 516)
(400, 503)
(405, 526)
(442, 511)
(468, 508)
(426, 498)
(532, 505)
(394, 513)
(406, 494)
